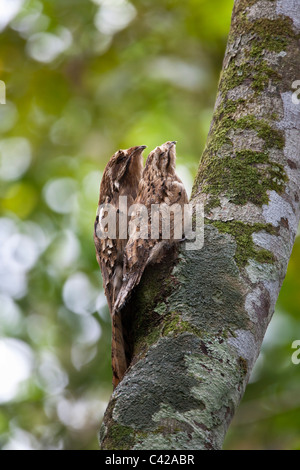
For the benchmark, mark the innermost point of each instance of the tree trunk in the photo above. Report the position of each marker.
(197, 326)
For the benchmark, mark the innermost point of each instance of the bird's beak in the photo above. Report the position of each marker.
(135, 151)
(135, 156)
(171, 144)
(168, 146)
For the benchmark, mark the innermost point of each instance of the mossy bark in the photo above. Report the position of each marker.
(196, 325)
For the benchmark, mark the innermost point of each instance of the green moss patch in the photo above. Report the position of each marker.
(245, 247)
(246, 175)
(273, 138)
(223, 122)
(241, 180)
(265, 35)
(173, 324)
(273, 35)
(212, 203)
(119, 437)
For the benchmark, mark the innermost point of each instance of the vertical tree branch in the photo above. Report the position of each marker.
(197, 327)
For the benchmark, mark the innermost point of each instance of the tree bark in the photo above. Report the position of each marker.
(196, 326)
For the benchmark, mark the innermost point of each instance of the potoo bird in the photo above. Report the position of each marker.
(161, 186)
(121, 177)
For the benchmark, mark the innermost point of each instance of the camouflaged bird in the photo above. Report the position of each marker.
(121, 177)
(159, 185)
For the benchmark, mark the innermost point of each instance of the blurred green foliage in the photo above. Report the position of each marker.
(84, 78)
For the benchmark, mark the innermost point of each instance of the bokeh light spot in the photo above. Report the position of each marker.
(60, 195)
(16, 363)
(79, 295)
(45, 47)
(114, 15)
(15, 156)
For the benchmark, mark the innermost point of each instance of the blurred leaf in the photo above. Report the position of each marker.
(21, 199)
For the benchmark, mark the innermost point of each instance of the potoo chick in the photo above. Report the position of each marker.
(161, 186)
(121, 177)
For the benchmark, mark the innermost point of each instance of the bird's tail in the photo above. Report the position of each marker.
(126, 289)
(118, 357)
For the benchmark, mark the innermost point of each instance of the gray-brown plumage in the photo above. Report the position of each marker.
(121, 177)
(159, 185)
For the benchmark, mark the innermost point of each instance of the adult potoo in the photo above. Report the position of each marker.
(121, 177)
(161, 186)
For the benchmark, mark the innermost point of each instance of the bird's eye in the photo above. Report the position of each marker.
(179, 193)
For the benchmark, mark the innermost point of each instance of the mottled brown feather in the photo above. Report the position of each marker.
(120, 178)
(159, 184)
